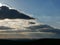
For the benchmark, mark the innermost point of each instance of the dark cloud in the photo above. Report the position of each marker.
(5, 12)
(57, 31)
(4, 28)
(31, 22)
(39, 27)
(44, 28)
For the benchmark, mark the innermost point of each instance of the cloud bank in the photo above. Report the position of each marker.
(5, 12)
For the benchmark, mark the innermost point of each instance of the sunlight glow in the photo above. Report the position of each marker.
(1, 4)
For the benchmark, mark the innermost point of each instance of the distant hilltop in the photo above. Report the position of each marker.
(5, 12)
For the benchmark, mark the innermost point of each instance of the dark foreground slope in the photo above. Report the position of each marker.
(30, 42)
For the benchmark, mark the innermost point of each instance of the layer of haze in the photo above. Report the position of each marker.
(46, 11)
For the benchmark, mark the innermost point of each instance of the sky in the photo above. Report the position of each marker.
(45, 11)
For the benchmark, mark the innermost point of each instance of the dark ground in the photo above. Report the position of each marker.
(30, 42)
